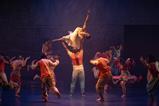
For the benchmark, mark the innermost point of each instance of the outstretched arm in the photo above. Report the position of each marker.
(94, 62)
(64, 45)
(83, 33)
(86, 20)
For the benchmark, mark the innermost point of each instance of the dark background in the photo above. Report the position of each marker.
(26, 24)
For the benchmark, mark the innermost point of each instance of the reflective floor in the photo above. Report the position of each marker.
(135, 97)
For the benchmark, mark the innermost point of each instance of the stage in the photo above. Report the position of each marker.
(118, 29)
(135, 97)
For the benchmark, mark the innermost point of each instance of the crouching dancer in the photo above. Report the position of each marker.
(104, 77)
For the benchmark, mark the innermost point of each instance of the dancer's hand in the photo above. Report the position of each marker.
(33, 64)
(28, 58)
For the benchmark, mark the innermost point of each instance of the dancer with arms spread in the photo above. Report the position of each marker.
(47, 75)
(125, 76)
(74, 41)
(73, 44)
(15, 76)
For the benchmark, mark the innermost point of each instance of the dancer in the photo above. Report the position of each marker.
(78, 69)
(15, 76)
(116, 51)
(3, 77)
(107, 54)
(74, 41)
(95, 69)
(151, 64)
(47, 51)
(125, 77)
(47, 75)
(104, 77)
(52, 58)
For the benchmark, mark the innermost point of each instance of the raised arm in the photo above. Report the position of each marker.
(25, 61)
(64, 45)
(4, 60)
(43, 48)
(12, 59)
(34, 64)
(86, 20)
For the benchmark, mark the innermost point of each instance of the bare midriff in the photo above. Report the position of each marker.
(77, 58)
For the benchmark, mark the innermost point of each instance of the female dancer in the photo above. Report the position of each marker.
(15, 76)
(125, 76)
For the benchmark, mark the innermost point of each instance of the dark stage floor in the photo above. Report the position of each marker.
(135, 97)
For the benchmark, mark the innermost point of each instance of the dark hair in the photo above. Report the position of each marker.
(56, 57)
(43, 56)
(150, 58)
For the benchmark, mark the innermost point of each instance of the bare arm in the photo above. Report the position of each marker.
(86, 20)
(157, 65)
(121, 47)
(68, 51)
(34, 64)
(64, 45)
(83, 33)
(43, 48)
(94, 62)
(12, 59)
(25, 61)
(5, 61)
(55, 63)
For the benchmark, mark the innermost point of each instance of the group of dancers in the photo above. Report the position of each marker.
(104, 63)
